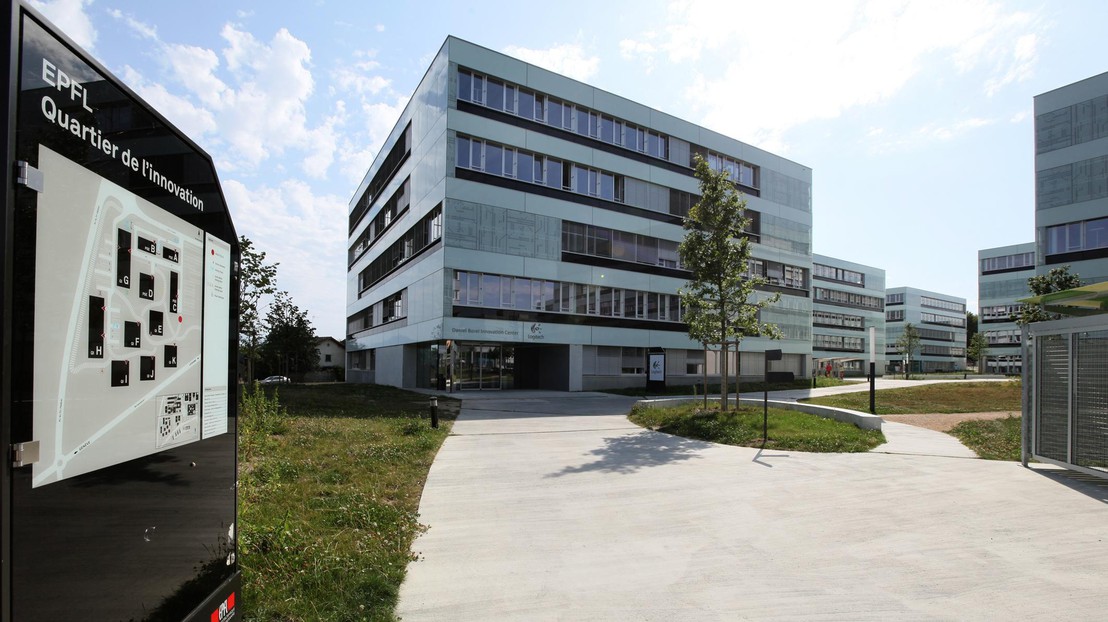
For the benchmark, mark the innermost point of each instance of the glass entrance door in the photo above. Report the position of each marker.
(482, 367)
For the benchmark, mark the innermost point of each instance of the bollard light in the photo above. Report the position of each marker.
(434, 411)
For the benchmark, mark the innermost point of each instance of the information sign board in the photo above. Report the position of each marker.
(119, 371)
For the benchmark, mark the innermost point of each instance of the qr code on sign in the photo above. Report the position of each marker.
(177, 420)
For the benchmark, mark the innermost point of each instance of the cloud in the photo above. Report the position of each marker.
(568, 59)
(312, 267)
(70, 16)
(760, 69)
(142, 29)
(880, 141)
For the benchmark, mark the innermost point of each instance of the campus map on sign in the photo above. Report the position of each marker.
(118, 325)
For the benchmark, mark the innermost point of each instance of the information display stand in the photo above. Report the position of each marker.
(118, 377)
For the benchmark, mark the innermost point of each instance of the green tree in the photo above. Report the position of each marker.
(719, 299)
(971, 326)
(977, 349)
(907, 344)
(256, 279)
(1057, 280)
(290, 341)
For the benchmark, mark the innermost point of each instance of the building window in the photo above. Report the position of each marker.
(1007, 262)
(947, 305)
(326, 358)
(1077, 236)
(931, 318)
(524, 294)
(894, 315)
(842, 275)
(848, 299)
(894, 299)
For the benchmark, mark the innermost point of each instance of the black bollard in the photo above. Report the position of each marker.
(434, 412)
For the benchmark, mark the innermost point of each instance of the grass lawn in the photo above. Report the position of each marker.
(788, 429)
(954, 397)
(994, 439)
(746, 387)
(329, 486)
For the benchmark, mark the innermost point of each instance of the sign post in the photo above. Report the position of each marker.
(119, 328)
(656, 371)
(771, 355)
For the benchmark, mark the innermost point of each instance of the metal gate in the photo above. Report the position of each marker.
(1065, 406)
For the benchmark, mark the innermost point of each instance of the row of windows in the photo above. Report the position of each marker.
(525, 294)
(534, 106)
(842, 320)
(387, 310)
(849, 299)
(363, 360)
(603, 242)
(389, 167)
(737, 170)
(779, 274)
(1000, 313)
(842, 275)
(891, 348)
(931, 318)
(894, 299)
(935, 335)
(613, 360)
(894, 315)
(496, 159)
(389, 213)
(942, 350)
(1007, 262)
(938, 303)
(1003, 337)
(425, 233)
(1072, 183)
(837, 342)
(1077, 236)
(1072, 125)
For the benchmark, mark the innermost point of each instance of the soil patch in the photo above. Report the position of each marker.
(943, 422)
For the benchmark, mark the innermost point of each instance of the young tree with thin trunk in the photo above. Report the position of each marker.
(719, 300)
(907, 344)
(256, 279)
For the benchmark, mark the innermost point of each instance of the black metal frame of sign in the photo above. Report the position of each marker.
(118, 377)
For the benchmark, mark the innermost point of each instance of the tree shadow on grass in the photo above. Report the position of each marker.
(630, 453)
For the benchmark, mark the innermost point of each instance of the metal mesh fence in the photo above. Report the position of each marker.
(1091, 400)
(1052, 420)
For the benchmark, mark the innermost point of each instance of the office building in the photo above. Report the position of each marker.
(941, 322)
(1071, 178)
(848, 299)
(1002, 275)
(519, 229)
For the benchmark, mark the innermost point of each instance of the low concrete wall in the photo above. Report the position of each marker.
(864, 421)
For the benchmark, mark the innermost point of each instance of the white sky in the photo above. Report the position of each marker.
(915, 116)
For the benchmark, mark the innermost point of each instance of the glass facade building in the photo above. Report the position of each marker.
(1002, 275)
(1071, 178)
(941, 322)
(848, 299)
(519, 229)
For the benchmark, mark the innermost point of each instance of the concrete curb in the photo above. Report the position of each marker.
(864, 421)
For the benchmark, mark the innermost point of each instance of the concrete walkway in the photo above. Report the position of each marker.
(555, 507)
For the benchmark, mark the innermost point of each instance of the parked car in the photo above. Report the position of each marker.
(276, 380)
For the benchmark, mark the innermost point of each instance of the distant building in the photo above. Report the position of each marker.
(1071, 178)
(941, 322)
(847, 300)
(332, 352)
(519, 229)
(1002, 275)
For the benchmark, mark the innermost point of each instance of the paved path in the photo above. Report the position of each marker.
(546, 507)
